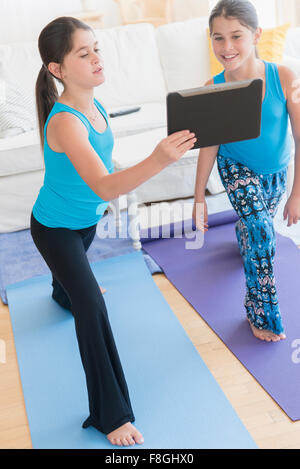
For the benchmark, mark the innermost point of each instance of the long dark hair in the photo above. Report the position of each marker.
(242, 10)
(55, 42)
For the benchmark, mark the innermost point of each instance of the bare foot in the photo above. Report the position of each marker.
(126, 435)
(266, 335)
(102, 290)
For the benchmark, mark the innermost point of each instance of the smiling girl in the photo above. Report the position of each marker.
(254, 172)
(79, 180)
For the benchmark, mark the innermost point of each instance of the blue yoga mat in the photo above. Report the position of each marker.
(20, 260)
(176, 401)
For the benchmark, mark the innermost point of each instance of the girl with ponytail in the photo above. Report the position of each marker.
(79, 181)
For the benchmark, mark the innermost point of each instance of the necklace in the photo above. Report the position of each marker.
(88, 114)
(91, 116)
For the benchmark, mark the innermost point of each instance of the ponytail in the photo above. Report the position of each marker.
(55, 42)
(45, 94)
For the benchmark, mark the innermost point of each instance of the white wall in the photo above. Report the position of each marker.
(185, 9)
(288, 11)
(110, 9)
(24, 19)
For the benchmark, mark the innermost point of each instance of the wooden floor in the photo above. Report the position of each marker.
(268, 425)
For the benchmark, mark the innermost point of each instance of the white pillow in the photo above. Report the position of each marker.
(19, 64)
(292, 43)
(2, 85)
(184, 53)
(292, 63)
(132, 70)
(17, 112)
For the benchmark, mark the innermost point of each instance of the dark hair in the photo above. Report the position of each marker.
(242, 10)
(55, 42)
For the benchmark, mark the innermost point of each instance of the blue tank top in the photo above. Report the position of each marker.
(270, 152)
(65, 200)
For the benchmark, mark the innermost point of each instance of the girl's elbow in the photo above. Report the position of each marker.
(102, 190)
(106, 192)
(104, 195)
(106, 189)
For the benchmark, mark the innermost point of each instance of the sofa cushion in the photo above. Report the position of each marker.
(17, 196)
(131, 66)
(175, 181)
(292, 43)
(292, 62)
(2, 85)
(184, 55)
(20, 154)
(19, 64)
(135, 148)
(272, 43)
(150, 116)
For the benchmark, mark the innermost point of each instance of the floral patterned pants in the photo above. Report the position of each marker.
(255, 198)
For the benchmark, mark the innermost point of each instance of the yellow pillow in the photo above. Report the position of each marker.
(270, 47)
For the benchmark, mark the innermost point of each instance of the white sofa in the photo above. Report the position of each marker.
(142, 64)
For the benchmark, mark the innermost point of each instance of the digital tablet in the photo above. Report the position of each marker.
(217, 114)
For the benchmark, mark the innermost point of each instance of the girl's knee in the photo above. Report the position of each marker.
(261, 227)
(90, 305)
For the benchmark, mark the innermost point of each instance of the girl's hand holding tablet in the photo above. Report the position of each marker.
(173, 147)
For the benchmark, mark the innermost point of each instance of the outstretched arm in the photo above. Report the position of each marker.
(72, 137)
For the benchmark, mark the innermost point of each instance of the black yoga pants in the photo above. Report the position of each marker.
(75, 288)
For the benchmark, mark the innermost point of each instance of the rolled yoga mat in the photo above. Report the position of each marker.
(176, 401)
(212, 280)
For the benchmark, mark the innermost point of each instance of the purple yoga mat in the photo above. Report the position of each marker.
(212, 280)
